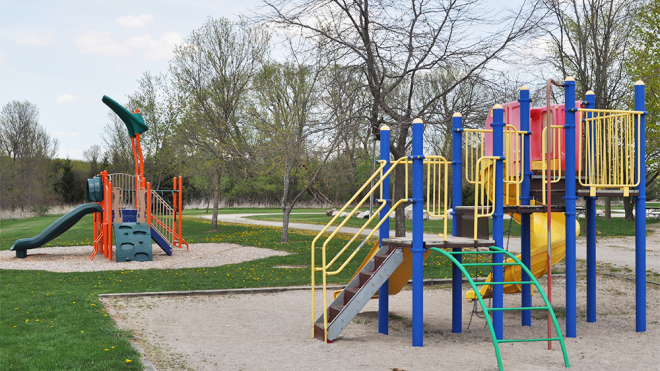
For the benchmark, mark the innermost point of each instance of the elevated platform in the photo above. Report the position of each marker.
(439, 242)
(607, 193)
(520, 209)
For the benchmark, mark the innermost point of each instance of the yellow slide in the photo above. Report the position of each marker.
(538, 248)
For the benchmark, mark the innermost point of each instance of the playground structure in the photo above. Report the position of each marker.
(532, 164)
(124, 207)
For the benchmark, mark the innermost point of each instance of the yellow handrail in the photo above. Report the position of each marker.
(483, 189)
(608, 160)
(555, 165)
(437, 165)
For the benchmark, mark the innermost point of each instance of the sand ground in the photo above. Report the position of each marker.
(273, 332)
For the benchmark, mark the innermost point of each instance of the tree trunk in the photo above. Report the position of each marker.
(286, 212)
(628, 204)
(608, 208)
(216, 201)
(286, 209)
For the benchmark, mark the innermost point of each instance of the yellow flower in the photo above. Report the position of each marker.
(128, 360)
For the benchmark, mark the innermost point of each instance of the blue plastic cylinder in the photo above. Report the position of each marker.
(384, 231)
(570, 197)
(457, 200)
(640, 217)
(525, 197)
(498, 218)
(418, 232)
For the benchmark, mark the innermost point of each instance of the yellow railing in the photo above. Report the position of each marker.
(608, 156)
(555, 157)
(479, 169)
(484, 187)
(436, 171)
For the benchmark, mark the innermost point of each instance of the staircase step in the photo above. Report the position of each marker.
(365, 276)
(319, 333)
(333, 311)
(378, 260)
(349, 294)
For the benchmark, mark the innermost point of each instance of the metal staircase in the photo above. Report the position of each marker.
(357, 293)
(487, 311)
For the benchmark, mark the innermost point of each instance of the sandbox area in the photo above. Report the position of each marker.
(273, 332)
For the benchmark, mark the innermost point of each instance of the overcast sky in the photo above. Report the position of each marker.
(65, 55)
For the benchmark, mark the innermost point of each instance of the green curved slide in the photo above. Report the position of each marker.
(60, 226)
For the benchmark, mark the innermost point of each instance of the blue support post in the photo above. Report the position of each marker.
(640, 214)
(570, 197)
(591, 228)
(498, 218)
(525, 198)
(456, 200)
(384, 232)
(417, 249)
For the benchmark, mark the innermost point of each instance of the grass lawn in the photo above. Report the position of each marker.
(55, 320)
(615, 227)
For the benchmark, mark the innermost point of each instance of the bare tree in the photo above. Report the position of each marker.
(590, 40)
(92, 155)
(157, 102)
(286, 111)
(397, 43)
(212, 72)
(26, 151)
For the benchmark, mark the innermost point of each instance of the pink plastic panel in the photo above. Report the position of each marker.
(512, 117)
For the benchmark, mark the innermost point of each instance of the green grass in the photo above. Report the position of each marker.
(12, 230)
(81, 331)
(610, 228)
(55, 320)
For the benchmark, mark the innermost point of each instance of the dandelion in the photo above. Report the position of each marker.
(128, 360)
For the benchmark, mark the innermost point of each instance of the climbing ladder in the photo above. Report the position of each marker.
(486, 310)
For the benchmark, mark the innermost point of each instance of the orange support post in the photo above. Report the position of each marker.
(110, 221)
(149, 203)
(174, 206)
(139, 150)
(181, 211)
(106, 211)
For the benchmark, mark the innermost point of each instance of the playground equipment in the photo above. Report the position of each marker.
(513, 167)
(124, 206)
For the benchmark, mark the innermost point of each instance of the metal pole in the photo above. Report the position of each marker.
(180, 211)
(640, 214)
(457, 200)
(525, 197)
(590, 99)
(570, 197)
(498, 219)
(417, 249)
(549, 146)
(384, 232)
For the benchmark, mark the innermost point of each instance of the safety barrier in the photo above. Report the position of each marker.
(609, 160)
(479, 169)
(555, 156)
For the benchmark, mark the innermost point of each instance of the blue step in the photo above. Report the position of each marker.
(161, 242)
